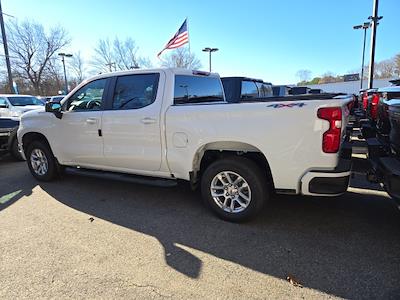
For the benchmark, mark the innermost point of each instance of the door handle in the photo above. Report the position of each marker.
(91, 120)
(148, 120)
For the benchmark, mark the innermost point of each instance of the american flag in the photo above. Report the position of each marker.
(179, 39)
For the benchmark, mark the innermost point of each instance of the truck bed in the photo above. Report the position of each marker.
(303, 97)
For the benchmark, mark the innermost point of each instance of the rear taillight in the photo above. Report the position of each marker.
(374, 106)
(331, 137)
(365, 100)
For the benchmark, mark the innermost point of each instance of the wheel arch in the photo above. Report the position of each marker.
(30, 137)
(210, 152)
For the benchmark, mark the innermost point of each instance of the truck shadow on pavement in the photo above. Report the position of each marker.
(11, 189)
(347, 246)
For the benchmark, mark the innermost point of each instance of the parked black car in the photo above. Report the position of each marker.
(387, 96)
(384, 146)
(388, 167)
(8, 137)
(299, 90)
(240, 89)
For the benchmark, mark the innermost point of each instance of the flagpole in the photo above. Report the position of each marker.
(187, 26)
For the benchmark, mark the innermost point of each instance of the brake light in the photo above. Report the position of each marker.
(331, 137)
(374, 106)
(365, 100)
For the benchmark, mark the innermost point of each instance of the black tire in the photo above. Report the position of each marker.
(255, 179)
(395, 197)
(14, 150)
(51, 172)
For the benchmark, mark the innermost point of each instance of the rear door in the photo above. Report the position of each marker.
(131, 123)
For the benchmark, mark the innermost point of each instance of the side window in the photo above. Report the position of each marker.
(197, 89)
(88, 97)
(265, 90)
(249, 90)
(135, 91)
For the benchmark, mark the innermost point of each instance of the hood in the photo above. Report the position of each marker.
(26, 108)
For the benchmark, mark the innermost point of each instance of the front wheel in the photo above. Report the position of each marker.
(14, 151)
(41, 161)
(234, 188)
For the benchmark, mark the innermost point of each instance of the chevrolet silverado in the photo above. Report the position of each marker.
(176, 124)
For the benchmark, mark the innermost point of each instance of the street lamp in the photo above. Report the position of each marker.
(374, 22)
(63, 55)
(364, 26)
(210, 50)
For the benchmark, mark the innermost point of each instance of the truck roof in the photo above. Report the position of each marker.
(174, 71)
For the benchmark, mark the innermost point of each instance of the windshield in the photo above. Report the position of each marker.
(57, 98)
(25, 100)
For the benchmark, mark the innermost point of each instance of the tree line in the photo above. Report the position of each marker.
(37, 69)
(387, 68)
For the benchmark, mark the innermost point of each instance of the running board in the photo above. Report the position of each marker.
(147, 180)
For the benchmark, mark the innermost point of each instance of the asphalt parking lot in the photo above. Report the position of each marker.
(94, 238)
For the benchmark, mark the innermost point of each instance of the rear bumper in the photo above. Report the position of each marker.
(329, 182)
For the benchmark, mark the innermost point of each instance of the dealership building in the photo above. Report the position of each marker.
(349, 87)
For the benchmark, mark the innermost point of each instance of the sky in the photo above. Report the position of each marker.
(264, 39)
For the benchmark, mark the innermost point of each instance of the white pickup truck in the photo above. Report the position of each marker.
(175, 124)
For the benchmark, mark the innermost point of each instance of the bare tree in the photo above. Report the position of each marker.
(33, 48)
(397, 64)
(119, 55)
(386, 68)
(126, 54)
(328, 77)
(104, 58)
(53, 78)
(181, 58)
(77, 66)
(303, 75)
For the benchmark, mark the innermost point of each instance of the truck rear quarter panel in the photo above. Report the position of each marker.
(289, 134)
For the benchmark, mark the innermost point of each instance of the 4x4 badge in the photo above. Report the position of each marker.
(281, 105)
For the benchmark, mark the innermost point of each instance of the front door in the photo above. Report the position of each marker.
(131, 123)
(79, 129)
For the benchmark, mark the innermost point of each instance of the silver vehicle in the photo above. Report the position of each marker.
(13, 106)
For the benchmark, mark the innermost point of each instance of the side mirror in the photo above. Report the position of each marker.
(55, 108)
(3, 105)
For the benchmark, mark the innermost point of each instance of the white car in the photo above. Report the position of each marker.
(13, 106)
(175, 124)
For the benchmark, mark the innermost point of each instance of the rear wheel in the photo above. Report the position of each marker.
(234, 188)
(41, 161)
(394, 196)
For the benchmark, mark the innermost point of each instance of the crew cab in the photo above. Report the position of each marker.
(176, 124)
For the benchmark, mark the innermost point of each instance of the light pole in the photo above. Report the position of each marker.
(374, 20)
(63, 55)
(210, 50)
(364, 26)
(3, 34)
